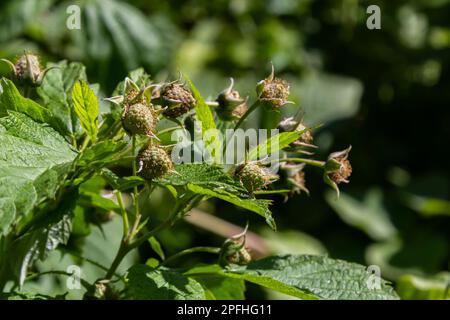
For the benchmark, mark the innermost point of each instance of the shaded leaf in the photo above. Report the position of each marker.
(33, 162)
(411, 287)
(147, 283)
(368, 215)
(259, 206)
(12, 100)
(56, 90)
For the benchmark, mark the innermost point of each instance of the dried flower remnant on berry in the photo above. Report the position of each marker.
(27, 70)
(153, 162)
(253, 176)
(231, 105)
(176, 99)
(273, 91)
(345, 169)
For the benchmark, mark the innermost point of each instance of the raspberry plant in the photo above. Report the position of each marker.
(59, 156)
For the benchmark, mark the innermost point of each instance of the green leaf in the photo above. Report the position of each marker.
(34, 160)
(147, 283)
(273, 144)
(95, 200)
(85, 104)
(199, 174)
(310, 277)
(411, 287)
(203, 111)
(44, 236)
(212, 181)
(156, 246)
(56, 90)
(12, 100)
(102, 153)
(427, 206)
(218, 287)
(119, 183)
(258, 206)
(368, 215)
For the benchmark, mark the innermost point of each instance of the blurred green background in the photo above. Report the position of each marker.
(386, 92)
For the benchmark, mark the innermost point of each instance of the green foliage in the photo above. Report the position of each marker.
(203, 112)
(273, 144)
(145, 283)
(410, 287)
(85, 104)
(308, 277)
(41, 160)
(10, 99)
(68, 189)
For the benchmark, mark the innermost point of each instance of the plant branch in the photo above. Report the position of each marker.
(213, 250)
(315, 163)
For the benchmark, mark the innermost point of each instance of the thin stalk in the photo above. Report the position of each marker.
(213, 250)
(121, 253)
(137, 214)
(58, 272)
(125, 223)
(85, 143)
(315, 163)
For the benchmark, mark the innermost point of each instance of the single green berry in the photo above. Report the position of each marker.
(176, 99)
(254, 176)
(153, 162)
(234, 250)
(139, 118)
(240, 257)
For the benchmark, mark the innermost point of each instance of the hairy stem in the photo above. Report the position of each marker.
(213, 250)
(315, 163)
(123, 211)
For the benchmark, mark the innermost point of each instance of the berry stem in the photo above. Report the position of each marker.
(137, 215)
(123, 211)
(315, 163)
(213, 250)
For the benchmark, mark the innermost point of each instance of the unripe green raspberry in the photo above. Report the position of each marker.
(254, 177)
(231, 105)
(240, 257)
(153, 162)
(177, 99)
(27, 70)
(139, 118)
(234, 251)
